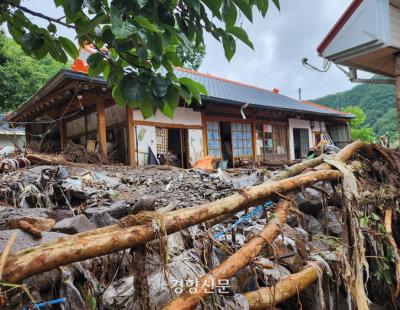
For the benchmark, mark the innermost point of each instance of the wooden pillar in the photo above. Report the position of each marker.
(101, 129)
(254, 137)
(397, 76)
(204, 131)
(63, 135)
(131, 137)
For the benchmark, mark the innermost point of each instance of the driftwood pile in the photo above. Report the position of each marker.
(146, 259)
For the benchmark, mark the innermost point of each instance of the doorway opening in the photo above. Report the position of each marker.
(172, 147)
(226, 144)
(301, 142)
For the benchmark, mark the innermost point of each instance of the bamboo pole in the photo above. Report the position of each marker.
(289, 286)
(91, 244)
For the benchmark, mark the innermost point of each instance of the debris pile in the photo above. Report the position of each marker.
(320, 234)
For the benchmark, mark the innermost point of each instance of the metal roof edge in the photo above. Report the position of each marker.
(219, 100)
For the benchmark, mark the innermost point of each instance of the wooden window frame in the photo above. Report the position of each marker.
(284, 139)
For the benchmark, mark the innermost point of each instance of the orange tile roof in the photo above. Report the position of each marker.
(323, 107)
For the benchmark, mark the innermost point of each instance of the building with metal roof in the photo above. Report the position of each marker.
(236, 123)
(9, 136)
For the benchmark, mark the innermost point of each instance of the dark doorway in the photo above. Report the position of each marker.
(301, 142)
(226, 142)
(177, 146)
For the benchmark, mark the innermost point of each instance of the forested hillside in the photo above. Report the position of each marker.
(377, 101)
(20, 75)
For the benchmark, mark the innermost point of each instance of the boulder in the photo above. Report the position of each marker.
(60, 214)
(74, 225)
(309, 202)
(7, 213)
(25, 240)
(332, 219)
(145, 203)
(117, 210)
(103, 219)
(312, 226)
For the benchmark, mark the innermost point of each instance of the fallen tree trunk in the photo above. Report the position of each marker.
(237, 261)
(104, 241)
(289, 286)
(388, 228)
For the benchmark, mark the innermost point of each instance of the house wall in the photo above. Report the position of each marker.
(394, 26)
(300, 123)
(114, 115)
(182, 116)
(145, 137)
(196, 151)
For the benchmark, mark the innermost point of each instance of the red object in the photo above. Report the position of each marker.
(339, 25)
(276, 91)
(80, 66)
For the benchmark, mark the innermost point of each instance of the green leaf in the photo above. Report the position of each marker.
(214, 6)
(146, 107)
(69, 47)
(262, 5)
(229, 13)
(229, 45)
(241, 35)
(96, 63)
(174, 58)
(72, 6)
(132, 89)
(277, 4)
(173, 98)
(85, 29)
(159, 86)
(194, 87)
(246, 8)
(120, 27)
(146, 24)
(167, 111)
(118, 96)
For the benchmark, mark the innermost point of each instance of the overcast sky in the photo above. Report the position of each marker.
(280, 41)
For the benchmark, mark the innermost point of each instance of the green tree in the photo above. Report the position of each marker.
(357, 124)
(191, 57)
(21, 75)
(141, 37)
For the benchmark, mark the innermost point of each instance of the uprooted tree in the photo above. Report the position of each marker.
(140, 37)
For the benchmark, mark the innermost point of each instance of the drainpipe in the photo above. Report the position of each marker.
(242, 108)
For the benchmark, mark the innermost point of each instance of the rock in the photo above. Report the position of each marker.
(312, 225)
(292, 220)
(25, 240)
(103, 219)
(310, 203)
(319, 245)
(285, 249)
(40, 223)
(60, 214)
(74, 225)
(332, 219)
(145, 203)
(7, 213)
(117, 210)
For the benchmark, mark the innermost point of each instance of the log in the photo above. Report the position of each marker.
(235, 262)
(114, 238)
(289, 286)
(111, 239)
(389, 231)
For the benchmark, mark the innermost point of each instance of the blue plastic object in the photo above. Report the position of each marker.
(44, 304)
(244, 218)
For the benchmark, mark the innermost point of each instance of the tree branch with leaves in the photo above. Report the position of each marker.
(144, 41)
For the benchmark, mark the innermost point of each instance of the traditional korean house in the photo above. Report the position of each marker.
(236, 123)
